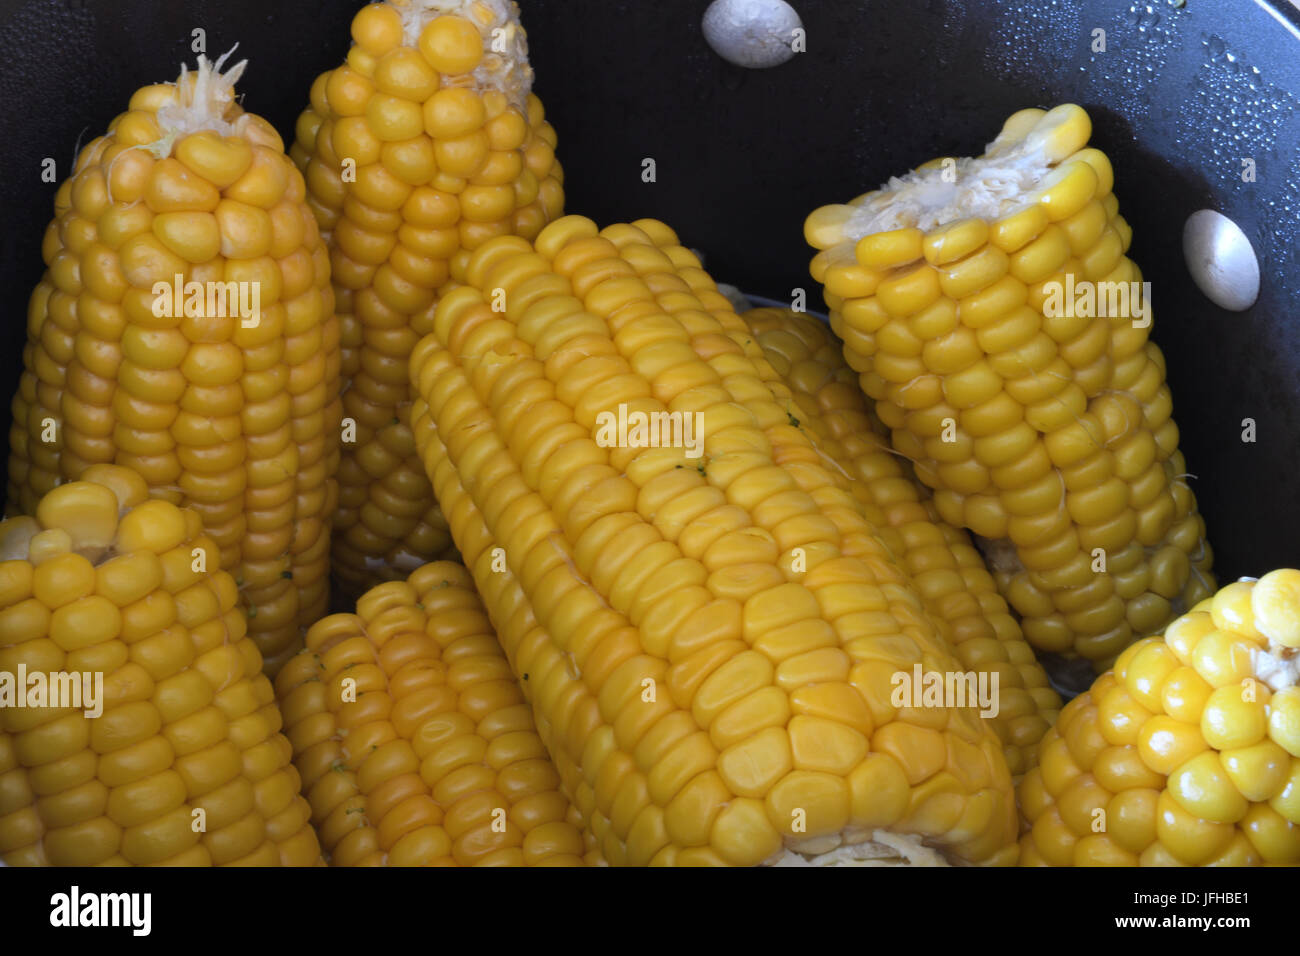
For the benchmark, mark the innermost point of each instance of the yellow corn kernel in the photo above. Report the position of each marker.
(451, 44)
(1271, 835)
(220, 160)
(377, 28)
(1233, 718)
(1272, 601)
(1189, 838)
(402, 72)
(1203, 788)
(1258, 772)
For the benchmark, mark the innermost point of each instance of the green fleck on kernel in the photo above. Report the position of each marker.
(288, 575)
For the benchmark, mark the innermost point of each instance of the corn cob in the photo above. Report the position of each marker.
(718, 634)
(222, 395)
(429, 756)
(184, 765)
(519, 629)
(1188, 753)
(1043, 429)
(943, 565)
(424, 144)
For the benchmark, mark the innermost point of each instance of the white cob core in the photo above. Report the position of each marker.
(979, 187)
(865, 848)
(201, 103)
(1016, 164)
(1276, 666)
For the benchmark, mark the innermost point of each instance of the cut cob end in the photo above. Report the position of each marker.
(1188, 752)
(1027, 158)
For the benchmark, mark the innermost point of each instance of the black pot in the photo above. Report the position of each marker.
(1185, 91)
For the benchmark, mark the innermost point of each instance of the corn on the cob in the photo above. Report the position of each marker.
(415, 743)
(423, 145)
(944, 567)
(184, 764)
(518, 628)
(719, 635)
(1041, 421)
(1188, 753)
(185, 329)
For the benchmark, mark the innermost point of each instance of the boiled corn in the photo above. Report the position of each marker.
(1188, 753)
(944, 567)
(720, 633)
(1043, 427)
(416, 746)
(519, 629)
(184, 765)
(423, 145)
(233, 412)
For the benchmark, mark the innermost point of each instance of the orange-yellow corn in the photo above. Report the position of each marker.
(423, 145)
(416, 746)
(1188, 752)
(982, 303)
(175, 756)
(720, 636)
(185, 329)
(944, 567)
